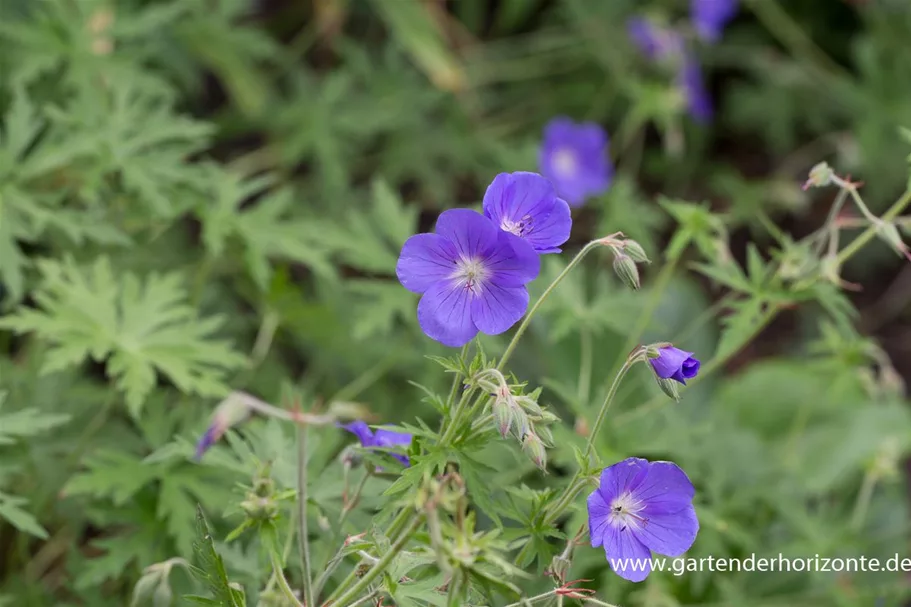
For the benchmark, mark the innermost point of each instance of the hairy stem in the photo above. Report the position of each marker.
(303, 536)
(608, 401)
(375, 571)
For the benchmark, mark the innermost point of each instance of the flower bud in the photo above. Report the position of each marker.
(559, 568)
(546, 435)
(889, 233)
(635, 251)
(534, 448)
(502, 416)
(530, 405)
(669, 387)
(626, 269)
(163, 595)
(820, 176)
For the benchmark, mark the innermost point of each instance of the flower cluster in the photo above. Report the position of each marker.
(473, 271)
(666, 45)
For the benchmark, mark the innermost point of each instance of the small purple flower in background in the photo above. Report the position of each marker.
(472, 276)
(698, 100)
(674, 363)
(656, 42)
(229, 413)
(380, 438)
(711, 16)
(526, 205)
(574, 158)
(642, 507)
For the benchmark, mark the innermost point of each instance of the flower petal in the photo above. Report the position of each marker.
(496, 308)
(529, 198)
(470, 233)
(622, 477)
(444, 314)
(628, 557)
(669, 362)
(598, 516)
(424, 260)
(512, 262)
(391, 438)
(668, 532)
(361, 430)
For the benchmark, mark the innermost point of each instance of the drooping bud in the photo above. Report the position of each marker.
(547, 437)
(626, 269)
(820, 176)
(559, 568)
(669, 387)
(889, 233)
(635, 251)
(502, 416)
(534, 448)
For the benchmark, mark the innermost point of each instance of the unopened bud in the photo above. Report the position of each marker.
(635, 251)
(547, 437)
(163, 595)
(502, 416)
(530, 405)
(534, 448)
(626, 269)
(669, 387)
(889, 233)
(559, 568)
(820, 176)
(259, 508)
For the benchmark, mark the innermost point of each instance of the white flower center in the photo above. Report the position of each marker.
(624, 512)
(470, 274)
(520, 228)
(565, 162)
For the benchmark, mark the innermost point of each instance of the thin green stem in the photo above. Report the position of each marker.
(864, 497)
(534, 599)
(303, 535)
(282, 581)
(286, 551)
(381, 565)
(867, 235)
(608, 401)
(585, 365)
(531, 313)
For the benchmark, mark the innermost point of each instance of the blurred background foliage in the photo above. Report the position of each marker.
(203, 195)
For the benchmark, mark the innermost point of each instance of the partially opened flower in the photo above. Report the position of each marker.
(472, 276)
(526, 205)
(380, 438)
(711, 16)
(229, 413)
(574, 158)
(674, 363)
(642, 507)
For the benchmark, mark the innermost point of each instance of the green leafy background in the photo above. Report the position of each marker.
(198, 197)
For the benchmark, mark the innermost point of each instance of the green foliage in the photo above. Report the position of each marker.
(199, 198)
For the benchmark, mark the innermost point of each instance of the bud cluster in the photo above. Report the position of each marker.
(627, 253)
(519, 415)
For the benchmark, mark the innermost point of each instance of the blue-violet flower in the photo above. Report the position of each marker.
(711, 16)
(698, 100)
(642, 507)
(526, 205)
(654, 41)
(380, 438)
(472, 276)
(674, 363)
(574, 158)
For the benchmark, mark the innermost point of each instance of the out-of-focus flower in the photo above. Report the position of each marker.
(472, 276)
(642, 507)
(574, 158)
(656, 42)
(380, 438)
(691, 83)
(711, 16)
(674, 363)
(229, 413)
(526, 205)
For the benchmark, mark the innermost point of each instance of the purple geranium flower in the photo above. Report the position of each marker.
(380, 438)
(674, 363)
(698, 100)
(642, 507)
(656, 42)
(472, 276)
(526, 205)
(229, 413)
(711, 16)
(574, 158)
